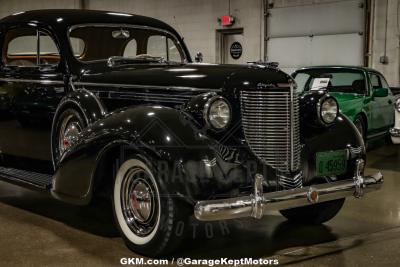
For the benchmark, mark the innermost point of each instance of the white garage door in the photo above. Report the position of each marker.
(316, 34)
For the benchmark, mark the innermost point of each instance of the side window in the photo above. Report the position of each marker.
(24, 49)
(131, 49)
(21, 47)
(375, 81)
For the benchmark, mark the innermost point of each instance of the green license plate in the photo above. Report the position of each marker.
(331, 162)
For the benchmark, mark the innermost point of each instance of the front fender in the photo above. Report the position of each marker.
(342, 134)
(166, 134)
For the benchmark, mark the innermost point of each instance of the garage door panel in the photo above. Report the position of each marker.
(341, 49)
(331, 18)
(290, 52)
(316, 34)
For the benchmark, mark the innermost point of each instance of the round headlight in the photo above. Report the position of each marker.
(328, 110)
(397, 105)
(217, 112)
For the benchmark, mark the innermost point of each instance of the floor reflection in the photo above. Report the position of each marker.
(232, 238)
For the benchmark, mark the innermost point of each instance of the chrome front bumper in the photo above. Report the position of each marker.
(258, 203)
(395, 132)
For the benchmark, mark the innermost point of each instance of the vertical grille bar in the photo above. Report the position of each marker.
(271, 126)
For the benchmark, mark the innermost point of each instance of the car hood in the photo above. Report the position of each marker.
(206, 76)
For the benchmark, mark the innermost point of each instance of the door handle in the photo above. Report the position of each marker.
(390, 102)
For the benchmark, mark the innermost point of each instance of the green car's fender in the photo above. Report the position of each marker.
(353, 105)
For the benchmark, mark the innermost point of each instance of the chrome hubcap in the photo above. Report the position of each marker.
(139, 201)
(69, 132)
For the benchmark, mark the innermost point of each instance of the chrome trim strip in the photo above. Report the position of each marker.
(45, 81)
(151, 87)
(258, 203)
(72, 84)
(292, 152)
(143, 96)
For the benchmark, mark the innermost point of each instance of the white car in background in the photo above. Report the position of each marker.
(395, 131)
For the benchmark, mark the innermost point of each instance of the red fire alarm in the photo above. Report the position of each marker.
(227, 20)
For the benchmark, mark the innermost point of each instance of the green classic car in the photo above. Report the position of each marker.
(362, 93)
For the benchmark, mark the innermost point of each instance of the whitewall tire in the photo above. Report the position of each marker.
(120, 179)
(146, 214)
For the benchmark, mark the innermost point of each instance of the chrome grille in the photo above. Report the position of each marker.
(271, 127)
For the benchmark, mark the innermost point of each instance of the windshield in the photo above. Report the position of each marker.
(345, 81)
(99, 42)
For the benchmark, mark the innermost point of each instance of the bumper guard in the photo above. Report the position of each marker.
(395, 132)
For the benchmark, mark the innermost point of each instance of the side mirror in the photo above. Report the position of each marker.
(199, 57)
(381, 92)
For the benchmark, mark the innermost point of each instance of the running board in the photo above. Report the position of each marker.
(26, 178)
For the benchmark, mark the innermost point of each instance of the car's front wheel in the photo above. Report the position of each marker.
(149, 219)
(314, 214)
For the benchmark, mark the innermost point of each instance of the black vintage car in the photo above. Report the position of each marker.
(105, 104)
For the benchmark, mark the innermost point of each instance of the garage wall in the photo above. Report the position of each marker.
(391, 70)
(196, 21)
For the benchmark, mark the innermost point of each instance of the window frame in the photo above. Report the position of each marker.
(384, 80)
(370, 80)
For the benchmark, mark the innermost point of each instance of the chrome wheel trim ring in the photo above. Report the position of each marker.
(138, 221)
(69, 132)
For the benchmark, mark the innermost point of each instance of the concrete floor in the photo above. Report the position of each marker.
(38, 231)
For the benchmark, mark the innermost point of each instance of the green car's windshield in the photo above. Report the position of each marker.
(346, 81)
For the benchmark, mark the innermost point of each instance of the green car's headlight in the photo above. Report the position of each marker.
(217, 113)
(397, 105)
(328, 110)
